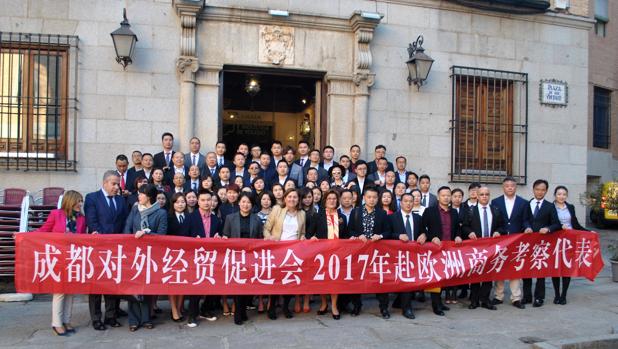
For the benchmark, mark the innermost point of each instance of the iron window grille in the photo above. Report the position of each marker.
(489, 125)
(38, 105)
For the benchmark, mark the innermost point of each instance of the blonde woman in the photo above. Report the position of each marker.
(67, 219)
(285, 223)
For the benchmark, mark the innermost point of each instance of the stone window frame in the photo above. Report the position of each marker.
(488, 144)
(32, 65)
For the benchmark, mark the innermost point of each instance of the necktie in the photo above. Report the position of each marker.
(167, 159)
(537, 208)
(424, 202)
(212, 171)
(111, 203)
(194, 162)
(181, 218)
(221, 161)
(123, 184)
(408, 227)
(302, 162)
(194, 186)
(485, 223)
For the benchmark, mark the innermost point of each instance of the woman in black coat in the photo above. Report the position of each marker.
(568, 220)
(329, 224)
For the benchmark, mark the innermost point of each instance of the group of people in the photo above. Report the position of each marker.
(296, 194)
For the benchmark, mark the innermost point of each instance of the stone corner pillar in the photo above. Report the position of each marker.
(363, 77)
(187, 65)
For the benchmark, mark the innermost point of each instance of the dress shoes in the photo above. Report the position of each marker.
(537, 303)
(444, 307)
(496, 301)
(112, 323)
(385, 314)
(355, 311)
(409, 314)
(438, 312)
(287, 313)
(519, 305)
(563, 301)
(336, 316)
(473, 305)
(557, 300)
(488, 306)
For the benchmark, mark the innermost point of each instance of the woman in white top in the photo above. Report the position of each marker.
(568, 220)
(285, 223)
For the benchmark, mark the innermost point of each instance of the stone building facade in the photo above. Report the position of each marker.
(603, 48)
(359, 48)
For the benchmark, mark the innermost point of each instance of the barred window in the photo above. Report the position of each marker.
(601, 118)
(38, 75)
(488, 125)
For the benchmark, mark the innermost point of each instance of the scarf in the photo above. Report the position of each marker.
(144, 213)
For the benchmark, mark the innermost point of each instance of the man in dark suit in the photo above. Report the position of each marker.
(442, 224)
(209, 227)
(178, 167)
(194, 157)
(105, 212)
(266, 171)
(276, 150)
(122, 163)
(163, 159)
(194, 181)
(147, 166)
(303, 154)
(211, 169)
(514, 210)
(296, 171)
(378, 177)
(406, 226)
(380, 153)
(361, 181)
(401, 172)
(485, 221)
(314, 162)
(543, 219)
(239, 169)
(328, 153)
(427, 198)
(136, 158)
(220, 150)
(369, 222)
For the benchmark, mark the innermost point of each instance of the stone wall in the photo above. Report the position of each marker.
(119, 111)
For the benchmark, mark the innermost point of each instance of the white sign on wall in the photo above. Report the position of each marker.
(554, 93)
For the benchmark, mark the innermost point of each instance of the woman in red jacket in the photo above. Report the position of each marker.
(69, 220)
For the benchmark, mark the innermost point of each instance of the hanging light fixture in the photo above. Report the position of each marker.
(252, 85)
(124, 42)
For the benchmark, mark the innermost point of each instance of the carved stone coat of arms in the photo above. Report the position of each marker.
(276, 45)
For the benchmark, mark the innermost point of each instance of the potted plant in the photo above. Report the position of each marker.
(613, 248)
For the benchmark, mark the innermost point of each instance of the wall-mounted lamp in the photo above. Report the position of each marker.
(419, 64)
(124, 42)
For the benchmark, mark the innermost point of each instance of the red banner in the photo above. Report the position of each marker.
(122, 264)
